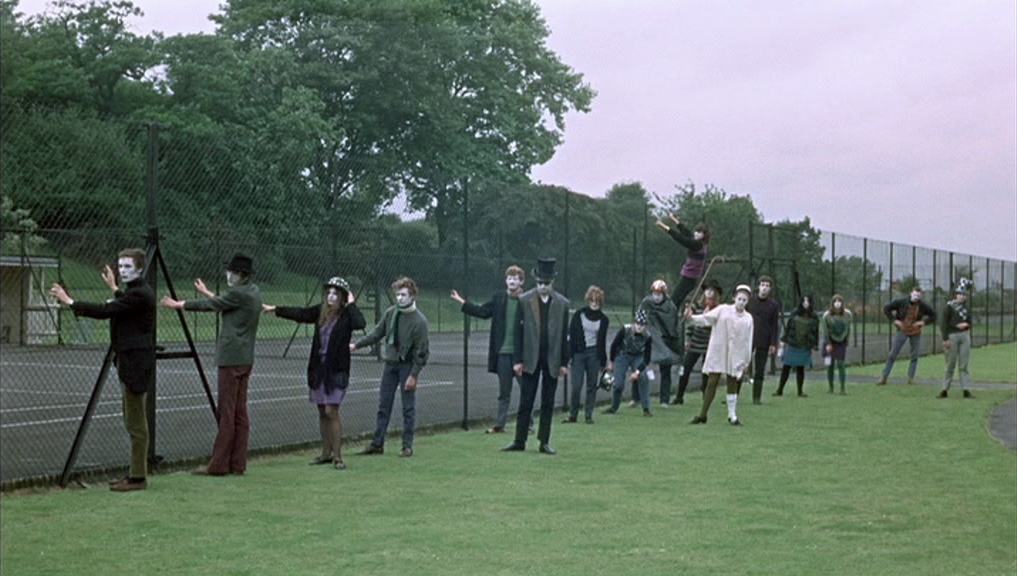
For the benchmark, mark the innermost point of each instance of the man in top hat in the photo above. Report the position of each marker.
(240, 307)
(541, 353)
(956, 326)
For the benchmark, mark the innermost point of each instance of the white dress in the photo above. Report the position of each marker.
(730, 348)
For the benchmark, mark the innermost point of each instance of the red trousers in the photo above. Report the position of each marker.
(230, 451)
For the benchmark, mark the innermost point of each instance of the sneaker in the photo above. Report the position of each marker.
(911, 381)
(371, 450)
(633, 403)
(734, 421)
(942, 394)
(665, 405)
(569, 420)
(609, 411)
(881, 381)
(128, 485)
(968, 394)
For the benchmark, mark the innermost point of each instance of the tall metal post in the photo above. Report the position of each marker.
(466, 319)
(151, 211)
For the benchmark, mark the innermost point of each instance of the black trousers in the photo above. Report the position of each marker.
(548, 384)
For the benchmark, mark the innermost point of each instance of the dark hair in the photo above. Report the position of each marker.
(705, 229)
(329, 312)
(802, 310)
(765, 278)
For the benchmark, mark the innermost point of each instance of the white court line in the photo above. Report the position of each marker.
(199, 407)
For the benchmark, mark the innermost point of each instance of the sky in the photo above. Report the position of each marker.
(893, 120)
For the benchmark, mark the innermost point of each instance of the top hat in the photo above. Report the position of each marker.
(241, 263)
(963, 287)
(338, 282)
(544, 269)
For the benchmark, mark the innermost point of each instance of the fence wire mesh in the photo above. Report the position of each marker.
(83, 187)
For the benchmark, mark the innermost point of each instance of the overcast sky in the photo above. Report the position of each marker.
(895, 120)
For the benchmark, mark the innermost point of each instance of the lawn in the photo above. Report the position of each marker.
(885, 480)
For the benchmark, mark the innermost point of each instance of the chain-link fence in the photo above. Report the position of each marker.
(195, 195)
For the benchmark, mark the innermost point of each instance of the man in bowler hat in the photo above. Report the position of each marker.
(541, 353)
(240, 307)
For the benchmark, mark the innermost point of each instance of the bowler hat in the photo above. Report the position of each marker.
(241, 263)
(544, 269)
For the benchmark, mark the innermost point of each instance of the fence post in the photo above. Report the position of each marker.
(151, 197)
(865, 299)
(466, 318)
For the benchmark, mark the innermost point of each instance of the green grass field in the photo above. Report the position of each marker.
(881, 481)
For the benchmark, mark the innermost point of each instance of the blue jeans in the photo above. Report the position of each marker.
(393, 376)
(505, 377)
(897, 345)
(584, 364)
(622, 364)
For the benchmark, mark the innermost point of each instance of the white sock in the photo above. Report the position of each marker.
(732, 403)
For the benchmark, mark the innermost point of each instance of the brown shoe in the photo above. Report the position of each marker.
(406, 452)
(495, 430)
(371, 450)
(118, 480)
(911, 381)
(128, 486)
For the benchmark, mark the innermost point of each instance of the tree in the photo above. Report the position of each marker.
(80, 54)
(422, 95)
(17, 229)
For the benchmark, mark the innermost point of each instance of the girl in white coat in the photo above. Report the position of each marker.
(729, 351)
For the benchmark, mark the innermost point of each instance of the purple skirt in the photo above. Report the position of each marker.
(839, 351)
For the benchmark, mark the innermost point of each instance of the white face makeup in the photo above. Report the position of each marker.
(332, 296)
(710, 294)
(916, 295)
(593, 305)
(544, 287)
(806, 304)
(837, 304)
(657, 297)
(741, 300)
(232, 279)
(127, 270)
(513, 283)
(697, 235)
(764, 289)
(403, 298)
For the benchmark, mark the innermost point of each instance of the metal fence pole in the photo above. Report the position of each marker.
(466, 318)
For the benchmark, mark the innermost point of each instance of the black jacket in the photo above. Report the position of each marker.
(132, 331)
(493, 309)
(898, 310)
(577, 340)
(337, 357)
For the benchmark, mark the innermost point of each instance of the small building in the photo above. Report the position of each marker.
(28, 314)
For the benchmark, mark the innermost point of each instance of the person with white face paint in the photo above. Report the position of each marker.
(403, 329)
(765, 312)
(729, 351)
(240, 310)
(588, 342)
(800, 338)
(664, 322)
(328, 370)
(131, 313)
(909, 314)
(836, 331)
(696, 243)
(501, 310)
(541, 354)
(956, 326)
